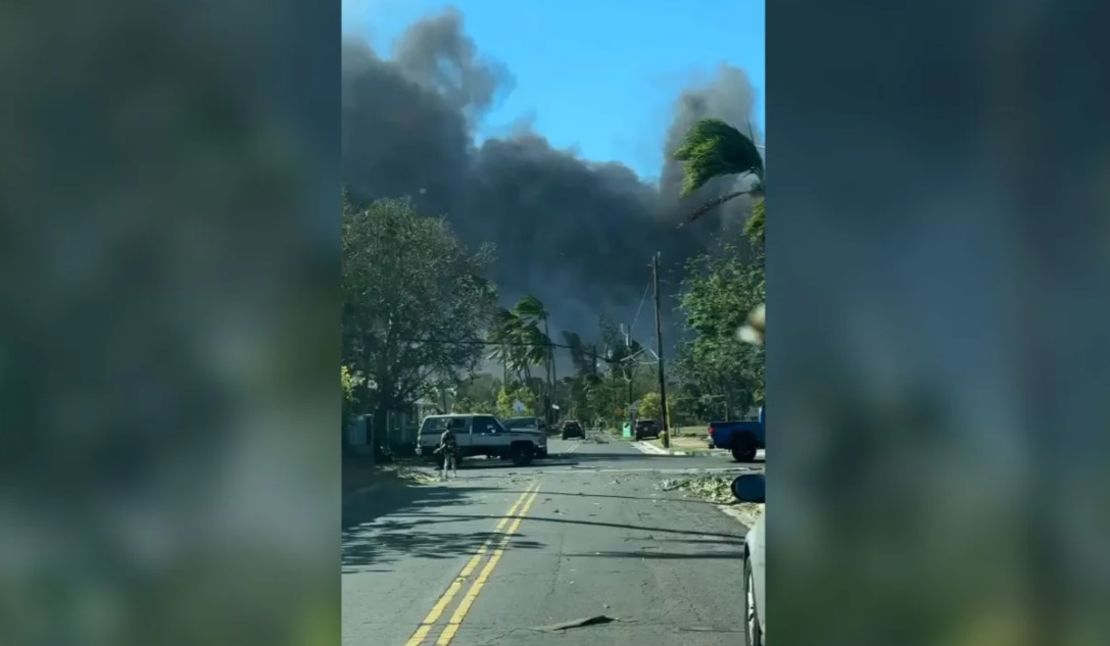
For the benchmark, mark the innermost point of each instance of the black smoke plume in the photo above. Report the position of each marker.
(577, 234)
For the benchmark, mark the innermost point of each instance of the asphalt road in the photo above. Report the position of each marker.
(502, 551)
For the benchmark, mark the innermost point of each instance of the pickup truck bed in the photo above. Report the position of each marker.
(743, 439)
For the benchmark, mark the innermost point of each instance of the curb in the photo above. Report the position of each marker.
(651, 449)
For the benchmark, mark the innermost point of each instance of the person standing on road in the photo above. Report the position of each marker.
(449, 447)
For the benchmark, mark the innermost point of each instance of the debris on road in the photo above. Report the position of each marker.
(576, 623)
(409, 474)
(712, 488)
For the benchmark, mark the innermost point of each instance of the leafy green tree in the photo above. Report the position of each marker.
(650, 405)
(411, 293)
(349, 382)
(717, 296)
(477, 393)
(506, 397)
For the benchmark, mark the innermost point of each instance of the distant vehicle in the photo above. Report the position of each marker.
(572, 428)
(742, 438)
(482, 435)
(752, 488)
(647, 428)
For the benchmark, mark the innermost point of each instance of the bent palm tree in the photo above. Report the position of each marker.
(530, 311)
(500, 333)
(712, 148)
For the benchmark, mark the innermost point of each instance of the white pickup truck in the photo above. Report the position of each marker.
(482, 435)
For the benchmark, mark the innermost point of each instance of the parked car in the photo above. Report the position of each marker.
(482, 435)
(571, 429)
(752, 488)
(647, 428)
(742, 438)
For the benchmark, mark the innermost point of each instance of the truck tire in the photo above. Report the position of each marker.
(521, 454)
(743, 449)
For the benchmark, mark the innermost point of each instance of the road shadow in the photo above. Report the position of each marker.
(392, 498)
(396, 523)
(440, 518)
(730, 555)
(649, 497)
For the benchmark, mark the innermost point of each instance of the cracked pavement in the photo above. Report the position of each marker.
(600, 537)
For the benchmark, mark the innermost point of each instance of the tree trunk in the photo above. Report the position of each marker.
(712, 204)
(376, 431)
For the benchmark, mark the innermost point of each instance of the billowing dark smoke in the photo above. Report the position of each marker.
(730, 97)
(435, 53)
(578, 235)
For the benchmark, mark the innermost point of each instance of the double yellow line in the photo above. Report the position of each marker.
(516, 515)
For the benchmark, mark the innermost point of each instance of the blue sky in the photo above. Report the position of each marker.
(595, 76)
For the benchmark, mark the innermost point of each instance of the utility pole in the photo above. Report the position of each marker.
(659, 351)
(628, 378)
(547, 414)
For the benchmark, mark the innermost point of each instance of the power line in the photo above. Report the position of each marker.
(640, 308)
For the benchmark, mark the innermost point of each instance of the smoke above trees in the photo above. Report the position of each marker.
(577, 234)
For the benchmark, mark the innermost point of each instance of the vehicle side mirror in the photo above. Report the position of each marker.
(750, 488)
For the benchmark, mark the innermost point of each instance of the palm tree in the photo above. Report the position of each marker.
(712, 148)
(530, 312)
(520, 343)
(503, 333)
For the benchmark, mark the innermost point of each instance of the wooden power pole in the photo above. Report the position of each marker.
(659, 351)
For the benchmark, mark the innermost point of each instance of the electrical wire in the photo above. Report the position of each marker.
(639, 309)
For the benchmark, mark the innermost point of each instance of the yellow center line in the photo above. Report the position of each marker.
(456, 585)
(476, 588)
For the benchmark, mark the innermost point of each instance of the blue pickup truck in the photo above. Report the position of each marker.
(742, 438)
